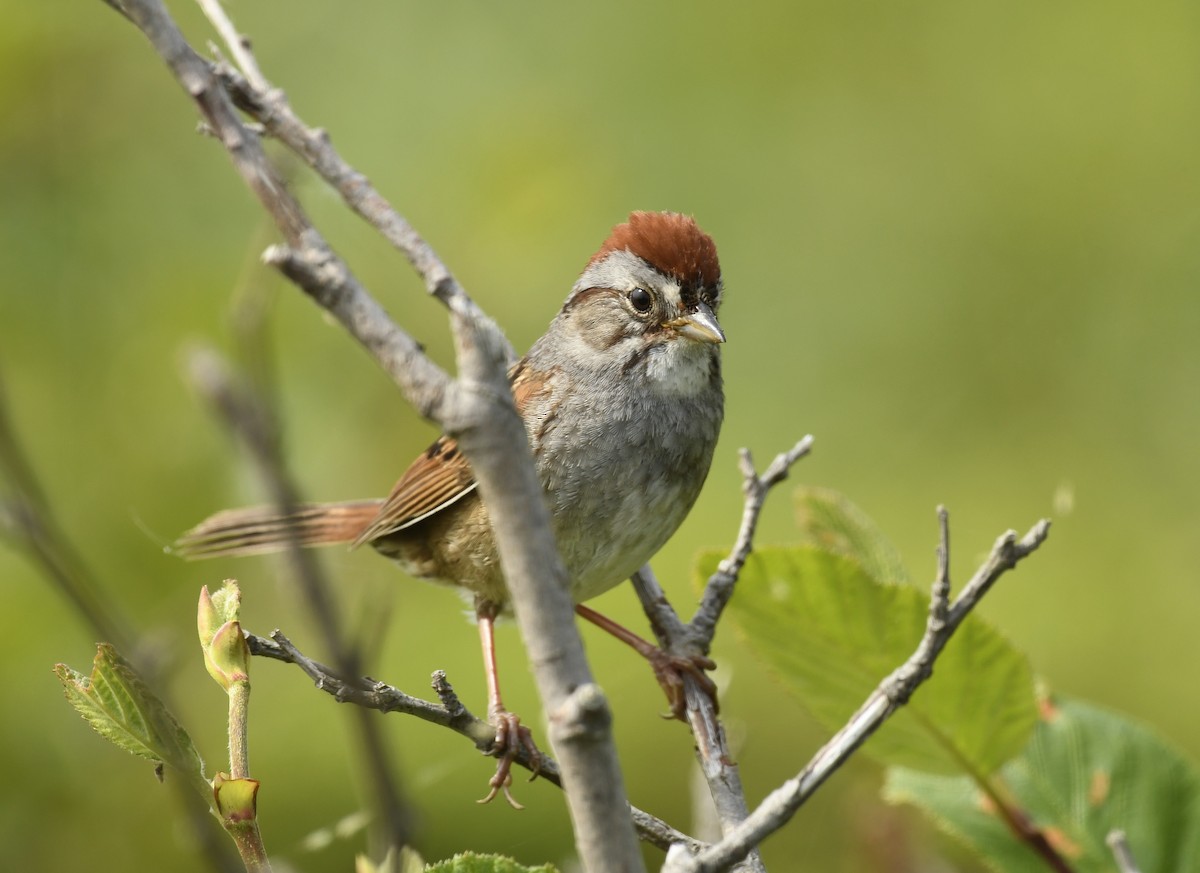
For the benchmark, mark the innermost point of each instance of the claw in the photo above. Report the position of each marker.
(669, 670)
(512, 738)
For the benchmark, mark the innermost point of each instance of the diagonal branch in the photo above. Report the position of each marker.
(892, 693)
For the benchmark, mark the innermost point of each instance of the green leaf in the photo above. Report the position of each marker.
(831, 523)
(1085, 772)
(118, 704)
(832, 632)
(469, 862)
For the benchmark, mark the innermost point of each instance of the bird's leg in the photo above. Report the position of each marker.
(512, 737)
(669, 668)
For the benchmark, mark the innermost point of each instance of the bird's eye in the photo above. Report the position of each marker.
(640, 300)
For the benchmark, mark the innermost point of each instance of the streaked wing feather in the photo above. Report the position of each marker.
(441, 475)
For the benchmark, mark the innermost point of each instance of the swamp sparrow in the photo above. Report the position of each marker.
(622, 401)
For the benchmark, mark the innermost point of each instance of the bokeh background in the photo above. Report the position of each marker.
(960, 244)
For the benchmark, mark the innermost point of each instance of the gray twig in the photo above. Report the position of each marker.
(781, 804)
(237, 43)
(1122, 854)
(755, 488)
(270, 107)
(449, 713)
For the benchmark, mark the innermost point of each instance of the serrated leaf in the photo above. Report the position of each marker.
(830, 522)
(1085, 772)
(118, 704)
(832, 632)
(469, 862)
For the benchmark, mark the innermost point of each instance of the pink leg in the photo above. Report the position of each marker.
(512, 737)
(669, 669)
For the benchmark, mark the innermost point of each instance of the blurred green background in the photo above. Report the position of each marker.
(960, 244)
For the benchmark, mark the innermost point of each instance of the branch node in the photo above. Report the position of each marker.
(445, 692)
(583, 715)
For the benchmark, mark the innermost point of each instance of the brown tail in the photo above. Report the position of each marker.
(261, 529)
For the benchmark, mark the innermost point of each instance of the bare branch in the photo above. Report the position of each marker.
(450, 713)
(238, 44)
(694, 639)
(712, 750)
(270, 107)
(755, 488)
(664, 620)
(895, 690)
(1122, 854)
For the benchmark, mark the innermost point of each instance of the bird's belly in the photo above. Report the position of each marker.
(605, 539)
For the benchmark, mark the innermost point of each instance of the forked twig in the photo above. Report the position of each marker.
(895, 690)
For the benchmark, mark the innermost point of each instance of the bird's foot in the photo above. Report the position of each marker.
(670, 670)
(513, 742)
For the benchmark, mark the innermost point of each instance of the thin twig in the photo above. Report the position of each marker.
(755, 488)
(237, 43)
(270, 107)
(781, 804)
(449, 713)
(1122, 854)
(713, 754)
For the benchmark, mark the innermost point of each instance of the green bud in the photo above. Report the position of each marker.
(227, 657)
(226, 654)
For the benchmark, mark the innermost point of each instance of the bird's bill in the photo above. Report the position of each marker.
(700, 325)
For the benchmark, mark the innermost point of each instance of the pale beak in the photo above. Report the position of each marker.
(700, 325)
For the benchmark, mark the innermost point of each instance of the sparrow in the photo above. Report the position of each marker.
(622, 402)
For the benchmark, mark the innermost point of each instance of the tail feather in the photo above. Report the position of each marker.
(262, 529)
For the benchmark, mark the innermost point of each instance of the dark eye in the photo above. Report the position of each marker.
(640, 300)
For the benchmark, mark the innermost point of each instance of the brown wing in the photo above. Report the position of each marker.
(441, 475)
